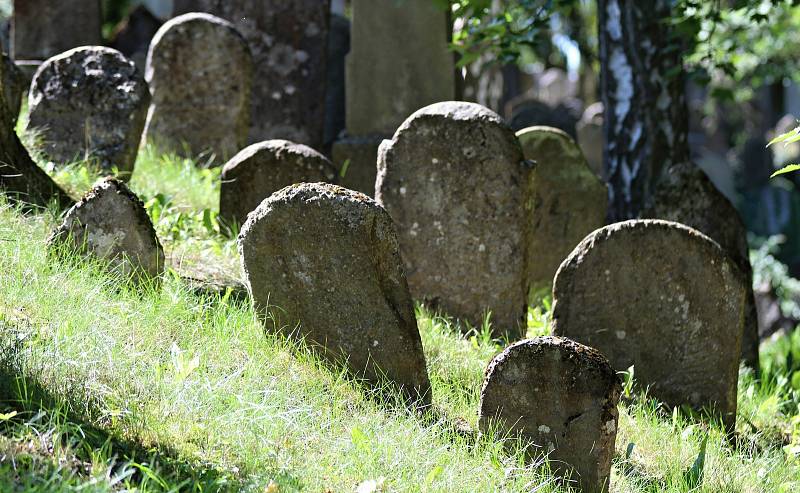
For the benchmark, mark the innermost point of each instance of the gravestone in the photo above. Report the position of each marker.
(327, 257)
(13, 85)
(524, 112)
(399, 61)
(90, 102)
(200, 74)
(133, 35)
(261, 169)
(288, 41)
(664, 298)
(561, 397)
(567, 201)
(687, 196)
(453, 180)
(110, 223)
(44, 28)
(589, 130)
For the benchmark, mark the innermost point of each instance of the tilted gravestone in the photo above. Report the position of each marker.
(453, 180)
(261, 169)
(590, 136)
(110, 223)
(327, 257)
(560, 397)
(288, 41)
(200, 73)
(567, 201)
(664, 298)
(686, 195)
(399, 61)
(44, 28)
(90, 103)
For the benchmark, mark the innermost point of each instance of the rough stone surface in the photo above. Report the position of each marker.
(590, 136)
(687, 196)
(327, 257)
(44, 28)
(566, 202)
(453, 180)
(289, 45)
(361, 156)
(398, 63)
(90, 102)
(200, 74)
(110, 223)
(13, 85)
(560, 396)
(662, 297)
(261, 169)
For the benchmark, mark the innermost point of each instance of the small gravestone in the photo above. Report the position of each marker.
(561, 398)
(453, 180)
(111, 224)
(288, 40)
(327, 257)
(523, 112)
(686, 195)
(590, 136)
(44, 28)
(567, 201)
(90, 103)
(664, 298)
(264, 168)
(200, 72)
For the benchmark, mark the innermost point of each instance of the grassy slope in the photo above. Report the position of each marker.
(170, 391)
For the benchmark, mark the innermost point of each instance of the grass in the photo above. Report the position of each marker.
(105, 389)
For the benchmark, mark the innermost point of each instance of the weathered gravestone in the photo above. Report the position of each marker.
(662, 297)
(590, 136)
(686, 195)
(453, 180)
(90, 102)
(13, 85)
(399, 61)
(261, 169)
(111, 224)
(327, 257)
(44, 28)
(561, 397)
(21, 180)
(288, 41)
(567, 201)
(200, 74)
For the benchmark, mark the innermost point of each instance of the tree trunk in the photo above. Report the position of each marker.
(20, 178)
(646, 117)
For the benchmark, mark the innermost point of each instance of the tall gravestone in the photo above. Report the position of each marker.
(686, 195)
(44, 28)
(200, 74)
(567, 201)
(90, 103)
(261, 169)
(561, 397)
(399, 61)
(288, 41)
(664, 298)
(327, 258)
(453, 179)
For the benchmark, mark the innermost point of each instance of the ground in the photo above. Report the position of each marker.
(107, 389)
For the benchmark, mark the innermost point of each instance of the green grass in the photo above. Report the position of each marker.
(170, 391)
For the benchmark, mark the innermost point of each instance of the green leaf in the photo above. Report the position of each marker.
(7, 416)
(694, 476)
(786, 169)
(785, 136)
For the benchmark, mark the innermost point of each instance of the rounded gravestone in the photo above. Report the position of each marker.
(90, 102)
(664, 298)
(264, 168)
(327, 258)
(110, 223)
(567, 201)
(686, 195)
(200, 73)
(453, 180)
(561, 397)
